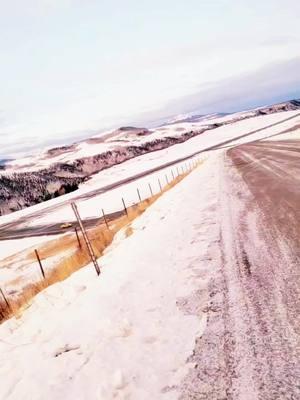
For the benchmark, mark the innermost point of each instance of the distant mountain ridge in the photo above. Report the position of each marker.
(192, 117)
(285, 106)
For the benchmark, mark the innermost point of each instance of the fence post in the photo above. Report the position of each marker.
(159, 184)
(40, 263)
(173, 174)
(177, 171)
(150, 189)
(77, 236)
(166, 176)
(138, 192)
(125, 208)
(105, 220)
(5, 299)
(86, 239)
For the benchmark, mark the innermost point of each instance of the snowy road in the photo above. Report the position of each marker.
(251, 347)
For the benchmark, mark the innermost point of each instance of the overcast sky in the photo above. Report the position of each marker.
(72, 67)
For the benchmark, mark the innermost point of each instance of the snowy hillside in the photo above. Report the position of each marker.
(92, 338)
(193, 295)
(61, 170)
(133, 136)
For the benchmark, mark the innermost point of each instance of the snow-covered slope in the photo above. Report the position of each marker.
(91, 197)
(128, 333)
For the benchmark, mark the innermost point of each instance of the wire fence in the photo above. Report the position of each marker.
(58, 258)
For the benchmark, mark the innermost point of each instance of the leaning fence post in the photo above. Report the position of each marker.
(86, 239)
(167, 179)
(150, 189)
(105, 220)
(125, 208)
(5, 299)
(40, 263)
(77, 236)
(138, 192)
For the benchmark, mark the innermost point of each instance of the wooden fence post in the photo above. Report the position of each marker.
(86, 239)
(173, 174)
(138, 192)
(5, 299)
(105, 220)
(40, 263)
(150, 189)
(125, 208)
(159, 184)
(166, 176)
(77, 236)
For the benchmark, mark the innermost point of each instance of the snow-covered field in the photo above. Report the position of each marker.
(128, 333)
(112, 201)
(90, 205)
